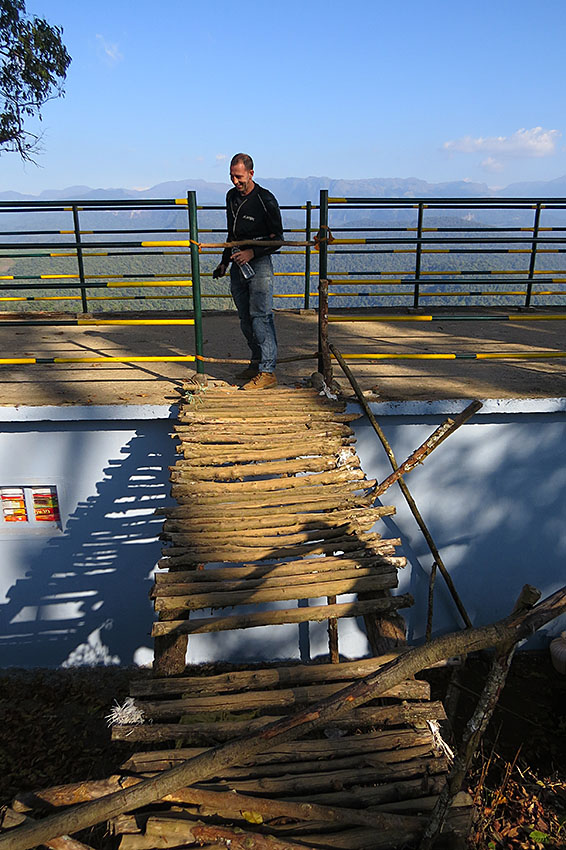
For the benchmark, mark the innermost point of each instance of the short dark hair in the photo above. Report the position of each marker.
(245, 159)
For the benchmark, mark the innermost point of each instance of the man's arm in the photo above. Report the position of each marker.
(274, 224)
(222, 267)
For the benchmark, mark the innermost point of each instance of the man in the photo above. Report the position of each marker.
(252, 212)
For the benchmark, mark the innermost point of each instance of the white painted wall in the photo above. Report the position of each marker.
(493, 496)
(80, 594)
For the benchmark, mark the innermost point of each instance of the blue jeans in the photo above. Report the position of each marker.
(254, 302)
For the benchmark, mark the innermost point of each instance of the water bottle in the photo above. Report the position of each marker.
(245, 269)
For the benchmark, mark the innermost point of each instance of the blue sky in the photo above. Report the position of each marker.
(438, 90)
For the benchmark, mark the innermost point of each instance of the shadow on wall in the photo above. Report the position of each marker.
(494, 499)
(84, 598)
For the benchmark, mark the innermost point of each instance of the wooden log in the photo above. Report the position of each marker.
(303, 567)
(381, 797)
(512, 628)
(263, 700)
(385, 578)
(202, 434)
(335, 476)
(263, 539)
(282, 593)
(317, 507)
(243, 840)
(316, 614)
(255, 407)
(265, 677)
(233, 804)
(278, 451)
(182, 516)
(390, 765)
(188, 561)
(240, 493)
(210, 733)
(418, 456)
(311, 751)
(235, 472)
(228, 418)
(11, 818)
(305, 439)
(226, 530)
(231, 553)
(404, 488)
(328, 495)
(477, 724)
(184, 558)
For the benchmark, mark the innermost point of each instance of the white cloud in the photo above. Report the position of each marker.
(220, 157)
(492, 164)
(110, 50)
(536, 142)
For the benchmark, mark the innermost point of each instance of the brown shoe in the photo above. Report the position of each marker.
(249, 372)
(262, 381)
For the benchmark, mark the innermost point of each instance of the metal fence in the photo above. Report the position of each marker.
(150, 261)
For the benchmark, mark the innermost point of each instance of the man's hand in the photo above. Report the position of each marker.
(219, 271)
(244, 256)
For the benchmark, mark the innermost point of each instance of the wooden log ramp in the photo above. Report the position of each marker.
(274, 524)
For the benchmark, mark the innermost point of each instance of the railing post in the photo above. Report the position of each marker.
(416, 290)
(195, 276)
(324, 359)
(324, 362)
(533, 259)
(80, 259)
(308, 224)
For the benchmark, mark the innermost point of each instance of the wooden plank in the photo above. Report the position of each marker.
(335, 476)
(282, 593)
(183, 556)
(317, 507)
(228, 529)
(278, 451)
(202, 433)
(208, 733)
(227, 418)
(317, 613)
(321, 518)
(186, 563)
(353, 745)
(187, 587)
(340, 495)
(266, 677)
(415, 689)
(235, 471)
(264, 539)
(305, 566)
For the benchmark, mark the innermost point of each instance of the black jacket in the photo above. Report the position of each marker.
(255, 216)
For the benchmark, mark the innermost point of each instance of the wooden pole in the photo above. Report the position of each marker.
(430, 444)
(477, 725)
(404, 489)
(214, 761)
(324, 360)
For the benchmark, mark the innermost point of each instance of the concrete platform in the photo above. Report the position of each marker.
(154, 383)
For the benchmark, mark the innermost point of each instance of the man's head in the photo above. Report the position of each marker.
(242, 172)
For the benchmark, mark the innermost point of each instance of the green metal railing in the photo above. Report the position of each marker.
(375, 252)
(461, 232)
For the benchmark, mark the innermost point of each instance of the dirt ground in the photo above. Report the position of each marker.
(54, 731)
(154, 383)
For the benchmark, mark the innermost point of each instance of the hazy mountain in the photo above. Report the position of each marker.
(297, 190)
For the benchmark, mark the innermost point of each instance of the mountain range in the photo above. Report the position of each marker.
(297, 190)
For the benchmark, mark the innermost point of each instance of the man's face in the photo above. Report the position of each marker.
(241, 178)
